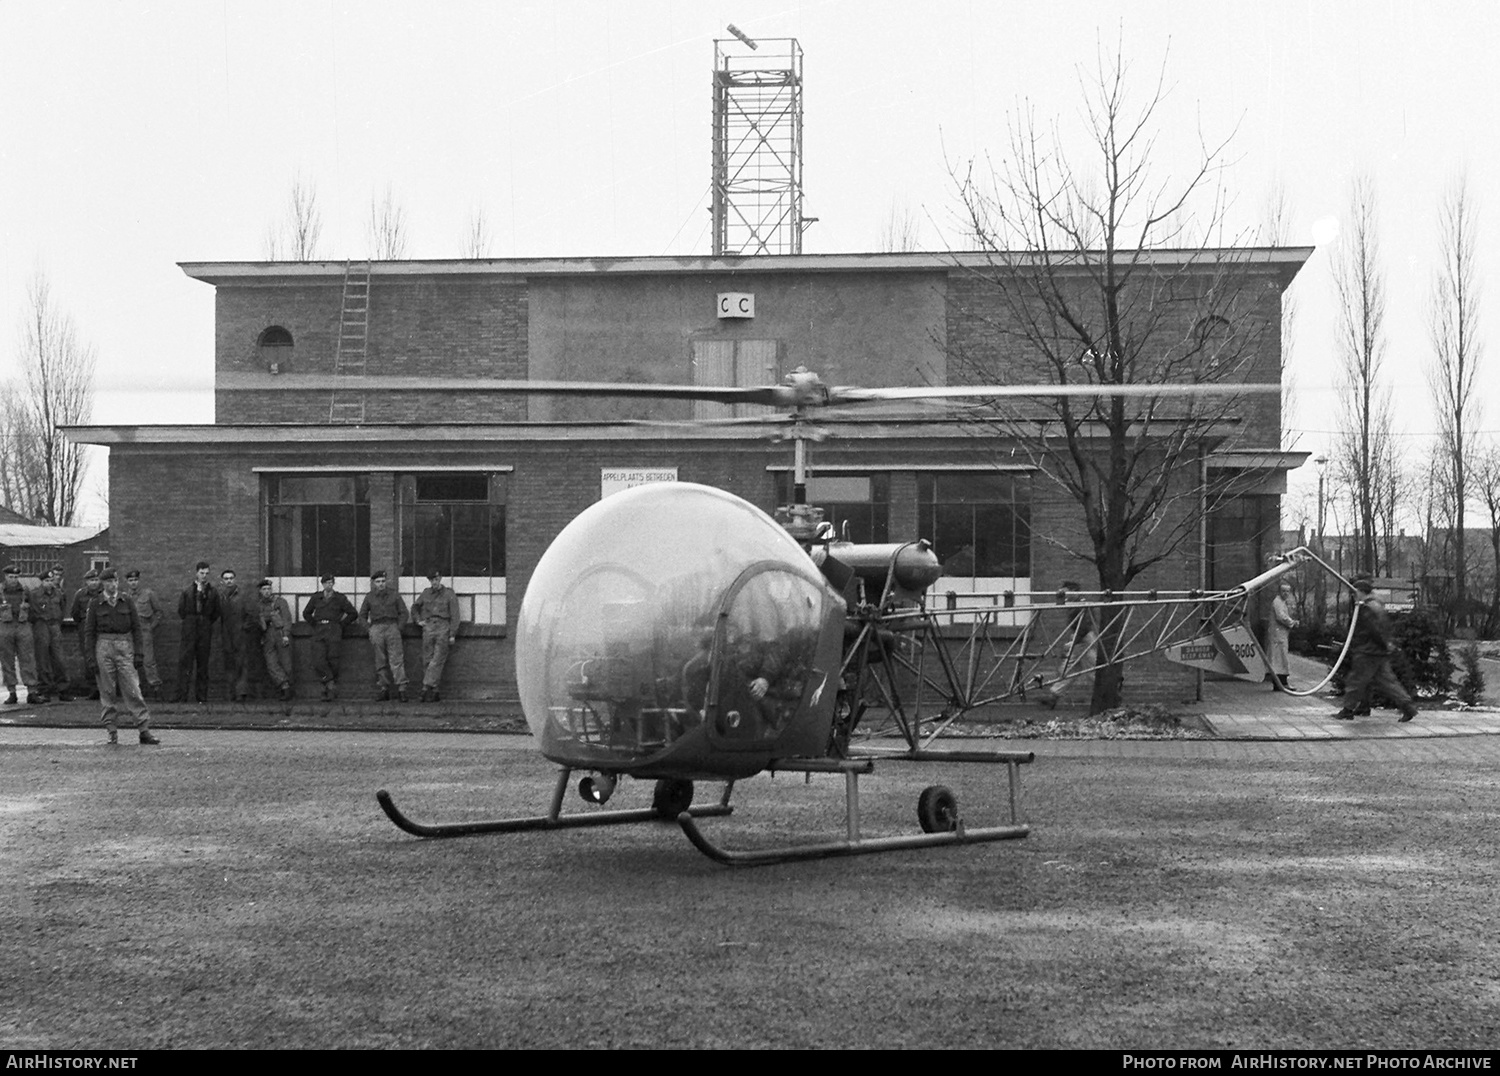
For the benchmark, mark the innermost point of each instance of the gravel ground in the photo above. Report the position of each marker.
(241, 889)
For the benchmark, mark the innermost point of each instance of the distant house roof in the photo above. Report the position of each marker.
(17, 535)
(10, 515)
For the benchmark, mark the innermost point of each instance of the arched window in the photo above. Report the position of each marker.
(274, 349)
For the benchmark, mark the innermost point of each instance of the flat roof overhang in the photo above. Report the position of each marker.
(1286, 259)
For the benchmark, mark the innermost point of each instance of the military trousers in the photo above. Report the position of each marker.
(18, 648)
(119, 687)
(390, 654)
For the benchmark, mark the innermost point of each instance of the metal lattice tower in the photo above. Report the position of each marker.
(757, 181)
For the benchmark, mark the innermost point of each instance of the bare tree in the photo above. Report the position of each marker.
(295, 236)
(1453, 317)
(476, 235)
(902, 230)
(20, 477)
(387, 228)
(1486, 475)
(1078, 289)
(1363, 449)
(41, 470)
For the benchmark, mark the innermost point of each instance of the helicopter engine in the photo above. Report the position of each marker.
(675, 630)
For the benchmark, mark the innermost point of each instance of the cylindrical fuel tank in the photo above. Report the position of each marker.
(917, 566)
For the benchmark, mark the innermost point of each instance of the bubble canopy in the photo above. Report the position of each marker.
(629, 597)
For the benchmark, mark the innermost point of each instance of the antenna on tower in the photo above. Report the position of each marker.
(757, 152)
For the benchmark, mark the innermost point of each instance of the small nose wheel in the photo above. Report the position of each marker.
(937, 809)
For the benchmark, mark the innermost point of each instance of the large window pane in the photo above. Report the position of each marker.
(978, 523)
(317, 524)
(453, 523)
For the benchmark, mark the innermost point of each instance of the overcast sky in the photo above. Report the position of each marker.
(138, 135)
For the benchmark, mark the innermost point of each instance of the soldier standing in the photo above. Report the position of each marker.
(17, 645)
(383, 612)
(151, 614)
(328, 612)
(198, 608)
(275, 620)
(46, 624)
(111, 629)
(231, 630)
(79, 612)
(436, 610)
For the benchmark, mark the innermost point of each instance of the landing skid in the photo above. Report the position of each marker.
(553, 819)
(855, 844)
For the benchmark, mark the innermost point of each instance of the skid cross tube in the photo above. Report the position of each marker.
(855, 844)
(553, 819)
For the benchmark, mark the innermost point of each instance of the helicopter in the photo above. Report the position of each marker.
(676, 633)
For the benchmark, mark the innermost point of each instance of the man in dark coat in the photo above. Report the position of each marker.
(328, 612)
(1370, 659)
(198, 608)
(232, 636)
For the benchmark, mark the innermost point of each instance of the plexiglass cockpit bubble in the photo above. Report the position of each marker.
(644, 596)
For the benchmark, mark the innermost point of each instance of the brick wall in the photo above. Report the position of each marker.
(466, 327)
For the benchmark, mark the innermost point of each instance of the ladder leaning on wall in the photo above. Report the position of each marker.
(354, 333)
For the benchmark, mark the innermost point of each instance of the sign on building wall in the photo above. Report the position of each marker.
(614, 479)
(736, 304)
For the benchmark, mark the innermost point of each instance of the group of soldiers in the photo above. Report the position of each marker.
(31, 649)
(263, 622)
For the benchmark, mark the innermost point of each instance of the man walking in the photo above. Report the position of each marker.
(46, 624)
(328, 612)
(198, 608)
(150, 610)
(436, 611)
(1370, 659)
(383, 612)
(231, 632)
(79, 612)
(17, 643)
(275, 619)
(112, 627)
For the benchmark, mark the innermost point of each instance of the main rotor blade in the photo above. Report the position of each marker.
(849, 394)
(809, 393)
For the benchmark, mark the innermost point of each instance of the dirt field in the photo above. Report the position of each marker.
(237, 889)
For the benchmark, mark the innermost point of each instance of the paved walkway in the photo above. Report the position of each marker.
(1232, 709)
(1235, 710)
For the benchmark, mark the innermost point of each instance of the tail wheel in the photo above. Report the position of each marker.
(673, 795)
(937, 809)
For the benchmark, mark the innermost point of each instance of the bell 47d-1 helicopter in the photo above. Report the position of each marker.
(674, 632)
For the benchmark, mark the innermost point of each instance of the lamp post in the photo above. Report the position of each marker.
(1320, 607)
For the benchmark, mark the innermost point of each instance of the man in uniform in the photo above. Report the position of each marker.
(231, 631)
(436, 611)
(151, 614)
(17, 643)
(198, 608)
(111, 629)
(328, 612)
(46, 624)
(383, 612)
(275, 620)
(79, 612)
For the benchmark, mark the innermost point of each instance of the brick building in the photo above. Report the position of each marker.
(292, 478)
